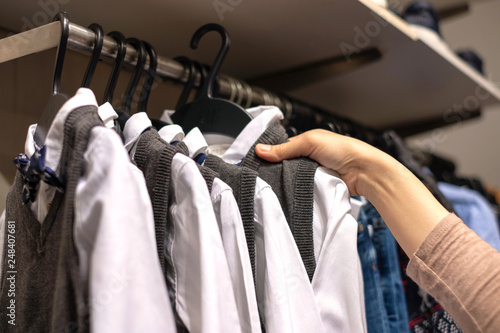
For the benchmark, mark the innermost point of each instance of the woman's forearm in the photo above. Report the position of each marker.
(408, 208)
(405, 204)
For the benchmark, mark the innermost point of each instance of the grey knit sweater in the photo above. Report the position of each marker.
(293, 183)
(154, 158)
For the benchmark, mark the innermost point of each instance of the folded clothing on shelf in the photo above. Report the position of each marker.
(472, 58)
(422, 13)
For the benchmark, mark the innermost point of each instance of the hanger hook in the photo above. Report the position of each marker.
(61, 51)
(203, 69)
(139, 67)
(188, 87)
(96, 53)
(148, 82)
(207, 85)
(115, 72)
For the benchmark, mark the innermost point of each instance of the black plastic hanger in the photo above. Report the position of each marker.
(134, 82)
(96, 53)
(188, 87)
(124, 111)
(212, 115)
(203, 70)
(115, 72)
(148, 82)
(57, 99)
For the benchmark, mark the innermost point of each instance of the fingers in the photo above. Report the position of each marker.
(296, 147)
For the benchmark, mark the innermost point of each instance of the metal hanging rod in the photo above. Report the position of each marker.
(82, 40)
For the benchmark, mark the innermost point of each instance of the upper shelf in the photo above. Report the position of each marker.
(417, 78)
(412, 81)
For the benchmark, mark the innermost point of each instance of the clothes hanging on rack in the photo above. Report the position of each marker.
(186, 224)
(475, 211)
(236, 227)
(183, 241)
(47, 251)
(102, 240)
(384, 269)
(332, 229)
(284, 294)
(377, 320)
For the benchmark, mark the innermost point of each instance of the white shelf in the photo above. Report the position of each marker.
(416, 79)
(412, 82)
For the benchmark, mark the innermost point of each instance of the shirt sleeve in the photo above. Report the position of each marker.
(114, 236)
(204, 293)
(338, 280)
(284, 293)
(228, 217)
(462, 272)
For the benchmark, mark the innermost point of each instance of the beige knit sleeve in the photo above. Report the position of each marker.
(462, 272)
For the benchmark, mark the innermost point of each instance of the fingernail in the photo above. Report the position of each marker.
(265, 147)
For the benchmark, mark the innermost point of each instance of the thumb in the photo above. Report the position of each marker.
(278, 153)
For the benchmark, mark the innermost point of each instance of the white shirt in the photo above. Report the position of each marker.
(116, 247)
(284, 294)
(205, 300)
(338, 280)
(230, 224)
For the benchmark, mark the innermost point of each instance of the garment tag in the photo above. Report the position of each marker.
(370, 230)
(356, 207)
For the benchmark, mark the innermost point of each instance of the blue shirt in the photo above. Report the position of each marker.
(475, 211)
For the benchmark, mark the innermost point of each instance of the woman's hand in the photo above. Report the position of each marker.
(408, 208)
(350, 157)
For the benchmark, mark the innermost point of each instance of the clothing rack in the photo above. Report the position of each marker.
(82, 40)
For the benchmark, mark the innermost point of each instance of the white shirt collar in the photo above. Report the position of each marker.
(263, 116)
(107, 114)
(171, 133)
(134, 127)
(55, 135)
(195, 142)
(29, 144)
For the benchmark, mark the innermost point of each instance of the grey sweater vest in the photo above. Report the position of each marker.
(154, 158)
(293, 183)
(48, 294)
